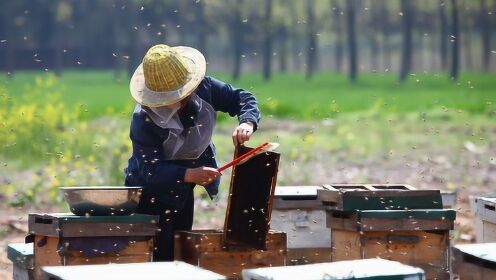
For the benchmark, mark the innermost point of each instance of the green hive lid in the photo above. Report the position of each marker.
(21, 254)
(367, 269)
(431, 214)
(349, 197)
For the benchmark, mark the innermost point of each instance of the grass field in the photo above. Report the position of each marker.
(291, 95)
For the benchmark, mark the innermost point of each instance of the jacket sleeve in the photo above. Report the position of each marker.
(235, 101)
(148, 152)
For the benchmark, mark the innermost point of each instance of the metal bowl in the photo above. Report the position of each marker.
(102, 200)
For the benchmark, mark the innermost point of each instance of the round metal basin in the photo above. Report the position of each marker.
(102, 200)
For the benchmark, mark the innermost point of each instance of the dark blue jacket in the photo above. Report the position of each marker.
(162, 179)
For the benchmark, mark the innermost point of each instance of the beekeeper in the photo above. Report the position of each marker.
(171, 134)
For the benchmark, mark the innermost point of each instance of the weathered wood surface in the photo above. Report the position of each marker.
(355, 269)
(349, 197)
(69, 225)
(146, 271)
(250, 199)
(428, 250)
(207, 249)
(474, 261)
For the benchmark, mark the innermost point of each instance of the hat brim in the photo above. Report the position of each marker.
(150, 98)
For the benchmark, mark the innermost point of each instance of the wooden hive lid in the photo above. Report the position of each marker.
(70, 225)
(297, 197)
(250, 199)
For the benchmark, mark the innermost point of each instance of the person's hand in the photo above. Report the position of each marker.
(201, 175)
(242, 133)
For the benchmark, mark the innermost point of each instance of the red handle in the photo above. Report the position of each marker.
(242, 157)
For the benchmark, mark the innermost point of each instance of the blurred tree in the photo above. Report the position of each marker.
(407, 10)
(485, 29)
(467, 18)
(386, 28)
(337, 26)
(295, 32)
(373, 20)
(311, 38)
(443, 35)
(236, 30)
(268, 37)
(455, 35)
(352, 46)
(201, 26)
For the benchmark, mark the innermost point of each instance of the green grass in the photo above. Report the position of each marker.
(291, 95)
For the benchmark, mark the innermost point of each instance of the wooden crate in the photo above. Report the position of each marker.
(414, 237)
(474, 261)
(250, 199)
(207, 249)
(157, 270)
(21, 255)
(297, 212)
(357, 269)
(485, 219)
(66, 239)
(349, 197)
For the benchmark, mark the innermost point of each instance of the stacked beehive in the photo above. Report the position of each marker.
(246, 241)
(67, 239)
(394, 222)
(297, 212)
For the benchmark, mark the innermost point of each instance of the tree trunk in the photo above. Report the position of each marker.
(267, 48)
(312, 39)
(337, 20)
(467, 41)
(237, 40)
(455, 47)
(486, 35)
(406, 55)
(201, 28)
(283, 52)
(444, 35)
(294, 36)
(385, 26)
(352, 47)
(374, 47)
(6, 47)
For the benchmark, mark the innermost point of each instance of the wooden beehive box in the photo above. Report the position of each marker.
(21, 256)
(369, 269)
(297, 212)
(485, 219)
(349, 197)
(145, 271)
(245, 240)
(66, 239)
(474, 261)
(414, 237)
(207, 249)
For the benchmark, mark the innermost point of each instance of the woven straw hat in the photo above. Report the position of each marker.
(167, 75)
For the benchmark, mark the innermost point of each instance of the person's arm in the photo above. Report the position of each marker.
(236, 102)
